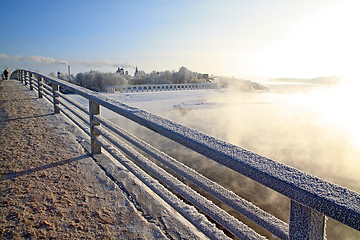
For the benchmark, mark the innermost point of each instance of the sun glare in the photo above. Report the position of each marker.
(326, 42)
(336, 107)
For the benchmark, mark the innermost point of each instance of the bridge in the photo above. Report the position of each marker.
(160, 87)
(312, 199)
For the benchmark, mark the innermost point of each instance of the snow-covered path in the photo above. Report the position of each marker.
(51, 188)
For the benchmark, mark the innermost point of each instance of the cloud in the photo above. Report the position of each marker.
(42, 59)
(104, 63)
(39, 59)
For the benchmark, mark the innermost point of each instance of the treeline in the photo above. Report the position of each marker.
(240, 84)
(98, 80)
(184, 75)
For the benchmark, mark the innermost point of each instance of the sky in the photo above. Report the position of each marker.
(247, 39)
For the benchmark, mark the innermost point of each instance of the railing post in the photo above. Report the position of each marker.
(55, 89)
(25, 77)
(30, 81)
(94, 109)
(305, 223)
(39, 84)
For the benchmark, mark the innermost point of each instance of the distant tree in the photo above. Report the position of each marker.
(184, 75)
(98, 81)
(240, 84)
(140, 78)
(166, 77)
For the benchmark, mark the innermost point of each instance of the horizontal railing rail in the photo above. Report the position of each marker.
(312, 198)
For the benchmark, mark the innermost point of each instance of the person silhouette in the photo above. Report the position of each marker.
(6, 73)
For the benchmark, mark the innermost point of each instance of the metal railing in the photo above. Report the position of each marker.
(311, 198)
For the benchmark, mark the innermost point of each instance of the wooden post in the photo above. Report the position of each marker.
(55, 89)
(306, 223)
(25, 77)
(39, 84)
(31, 81)
(94, 109)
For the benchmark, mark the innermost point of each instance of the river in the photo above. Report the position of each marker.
(311, 127)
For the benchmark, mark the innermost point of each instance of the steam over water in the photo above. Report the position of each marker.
(310, 127)
(285, 125)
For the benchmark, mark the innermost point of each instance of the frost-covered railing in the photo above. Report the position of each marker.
(160, 87)
(312, 198)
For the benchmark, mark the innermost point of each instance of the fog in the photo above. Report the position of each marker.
(311, 127)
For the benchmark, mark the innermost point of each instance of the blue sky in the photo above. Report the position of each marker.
(248, 39)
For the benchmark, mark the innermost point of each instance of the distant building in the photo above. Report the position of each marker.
(120, 71)
(136, 71)
(207, 78)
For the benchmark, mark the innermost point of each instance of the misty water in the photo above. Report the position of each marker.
(310, 127)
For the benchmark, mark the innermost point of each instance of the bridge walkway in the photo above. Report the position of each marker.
(49, 185)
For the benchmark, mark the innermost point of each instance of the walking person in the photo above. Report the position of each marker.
(6, 73)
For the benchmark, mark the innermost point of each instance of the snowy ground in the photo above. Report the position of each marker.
(158, 102)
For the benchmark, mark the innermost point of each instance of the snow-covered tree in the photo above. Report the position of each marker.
(184, 75)
(98, 81)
